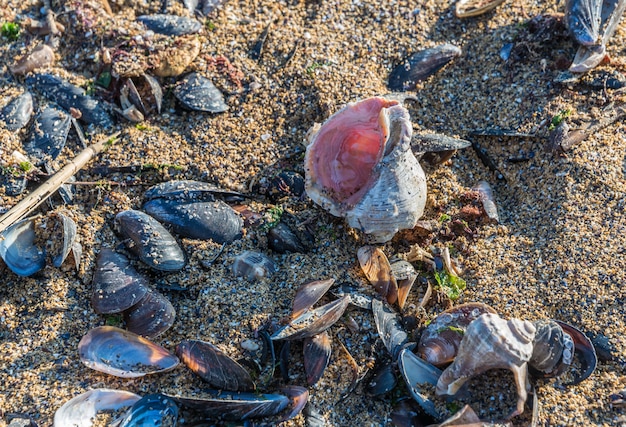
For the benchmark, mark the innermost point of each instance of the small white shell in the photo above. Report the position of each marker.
(359, 165)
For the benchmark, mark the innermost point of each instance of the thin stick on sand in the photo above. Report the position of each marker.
(45, 190)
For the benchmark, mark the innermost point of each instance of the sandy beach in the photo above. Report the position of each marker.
(558, 251)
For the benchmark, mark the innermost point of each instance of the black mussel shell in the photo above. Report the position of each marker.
(583, 19)
(253, 265)
(585, 351)
(13, 184)
(151, 316)
(286, 184)
(389, 328)
(384, 380)
(70, 96)
(198, 93)
(553, 350)
(17, 113)
(152, 410)
(317, 350)
(214, 366)
(313, 322)
(281, 239)
(170, 25)
(406, 413)
(18, 250)
(420, 66)
(215, 220)
(50, 132)
(117, 285)
(150, 241)
(235, 406)
(189, 190)
(121, 353)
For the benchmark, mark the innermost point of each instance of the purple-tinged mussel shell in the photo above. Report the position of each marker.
(317, 350)
(298, 398)
(313, 322)
(115, 351)
(41, 56)
(170, 25)
(151, 316)
(235, 406)
(214, 366)
(81, 410)
(215, 220)
(308, 294)
(440, 341)
(18, 249)
(49, 134)
(198, 93)
(420, 66)
(117, 285)
(17, 113)
(282, 239)
(150, 241)
(70, 96)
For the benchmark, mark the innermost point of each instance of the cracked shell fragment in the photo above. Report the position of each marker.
(469, 8)
(115, 351)
(359, 165)
(313, 322)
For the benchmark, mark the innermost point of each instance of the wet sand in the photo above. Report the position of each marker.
(558, 251)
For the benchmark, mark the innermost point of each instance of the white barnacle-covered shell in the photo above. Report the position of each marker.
(491, 342)
(359, 165)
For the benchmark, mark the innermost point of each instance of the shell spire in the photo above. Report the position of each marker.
(359, 165)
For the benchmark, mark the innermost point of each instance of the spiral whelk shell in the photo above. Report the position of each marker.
(491, 342)
(359, 165)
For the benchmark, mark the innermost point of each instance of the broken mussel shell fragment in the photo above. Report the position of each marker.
(383, 380)
(298, 398)
(150, 241)
(393, 336)
(40, 57)
(439, 343)
(313, 322)
(583, 349)
(214, 220)
(66, 234)
(405, 274)
(70, 96)
(469, 8)
(418, 374)
(253, 265)
(359, 165)
(231, 406)
(190, 190)
(117, 286)
(421, 65)
(152, 410)
(124, 354)
(377, 269)
(18, 249)
(214, 366)
(198, 93)
(18, 112)
(281, 239)
(592, 23)
(170, 25)
(81, 410)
